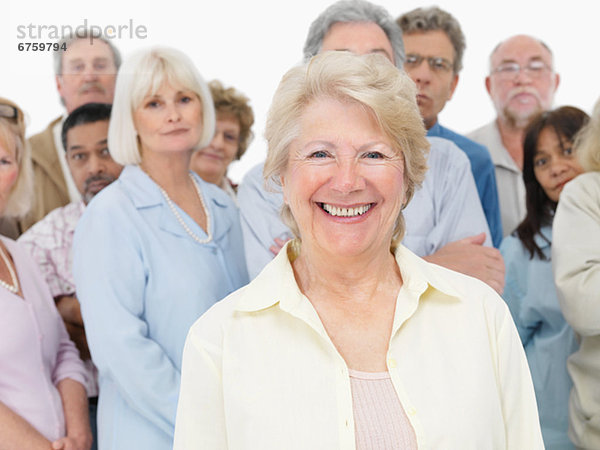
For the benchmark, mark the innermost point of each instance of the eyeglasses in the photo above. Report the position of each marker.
(436, 64)
(9, 111)
(510, 70)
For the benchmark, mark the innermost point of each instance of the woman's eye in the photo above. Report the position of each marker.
(186, 99)
(152, 104)
(568, 151)
(373, 155)
(540, 162)
(319, 154)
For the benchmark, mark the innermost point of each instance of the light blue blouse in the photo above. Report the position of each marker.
(142, 282)
(546, 336)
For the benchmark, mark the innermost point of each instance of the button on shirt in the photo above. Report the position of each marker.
(445, 209)
(260, 371)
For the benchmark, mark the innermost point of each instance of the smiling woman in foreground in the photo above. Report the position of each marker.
(347, 339)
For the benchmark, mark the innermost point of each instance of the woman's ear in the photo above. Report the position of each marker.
(282, 182)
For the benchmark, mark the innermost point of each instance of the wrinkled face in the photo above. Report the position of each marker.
(554, 163)
(358, 37)
(344, 181)
(211, 162)
(89, 74)
(9, 171)
(519, 95)
(429, 62)
(88, 158)
(168, 121)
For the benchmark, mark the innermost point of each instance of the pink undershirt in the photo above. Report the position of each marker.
(379, 419)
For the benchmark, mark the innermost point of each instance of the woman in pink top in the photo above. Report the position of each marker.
(43, 403)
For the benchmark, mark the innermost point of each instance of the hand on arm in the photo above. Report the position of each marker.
(16, 432)
(470, 257)
(77, 423)
(70, 311)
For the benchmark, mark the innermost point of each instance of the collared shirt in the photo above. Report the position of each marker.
(547, 337)
(482, 169)
(74, 193)
(445, 209)
(260, 371)
(509, 178)
(35, 351)
(50, 242)
(142, 282)
(576, 266)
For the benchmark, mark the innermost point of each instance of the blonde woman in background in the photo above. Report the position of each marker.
(43, 403)
(576, 264)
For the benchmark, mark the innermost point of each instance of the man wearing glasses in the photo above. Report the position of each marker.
(521, 83)
(435, 44)
(85, 73)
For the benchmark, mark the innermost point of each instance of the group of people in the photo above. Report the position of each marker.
(378, 282)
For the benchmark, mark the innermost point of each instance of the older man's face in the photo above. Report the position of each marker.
(520, 94)
(358, 37)
(88, 74)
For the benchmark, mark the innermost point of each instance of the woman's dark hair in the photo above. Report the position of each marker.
(566, 122)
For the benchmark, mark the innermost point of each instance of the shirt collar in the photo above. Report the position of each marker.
(277, 283)
(435, 130)
(145, 193)
(543, 239)
(498, 152)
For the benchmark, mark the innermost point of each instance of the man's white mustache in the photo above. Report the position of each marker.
(92, 85)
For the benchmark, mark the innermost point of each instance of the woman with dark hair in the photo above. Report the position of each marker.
(548, 164)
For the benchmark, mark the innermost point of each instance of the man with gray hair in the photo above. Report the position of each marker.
(435, 44)
(85, 72)
(521, 83)
(444, 221)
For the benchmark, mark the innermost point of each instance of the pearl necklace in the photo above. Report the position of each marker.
(180, 219)
(14, 287)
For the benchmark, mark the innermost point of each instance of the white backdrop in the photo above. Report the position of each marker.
(250, 44)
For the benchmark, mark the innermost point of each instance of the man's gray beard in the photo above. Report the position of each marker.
(519, 123)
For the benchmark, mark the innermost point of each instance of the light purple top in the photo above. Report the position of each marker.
(36, 352)
(50, 242)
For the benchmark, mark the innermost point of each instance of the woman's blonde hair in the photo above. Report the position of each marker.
(369, 80)
(142, 74)
(588, 142)
(12, 136)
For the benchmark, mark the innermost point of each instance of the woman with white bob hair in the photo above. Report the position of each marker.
(153, 250)
(347, 339)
